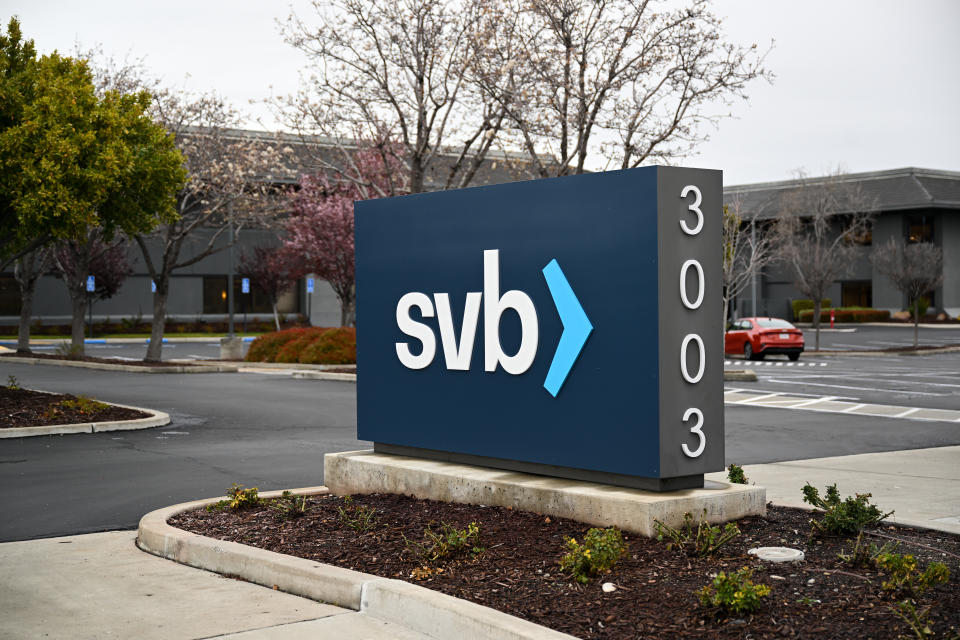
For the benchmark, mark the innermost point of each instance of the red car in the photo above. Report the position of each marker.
(756, 337)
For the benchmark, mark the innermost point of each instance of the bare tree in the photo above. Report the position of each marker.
(747, 251)
(914, 269)
(396, 71)
(820, 223)
(628, 81)
(230, 185)
(27, 271)
(92, 255)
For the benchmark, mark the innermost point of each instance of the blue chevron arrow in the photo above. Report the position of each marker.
(576, 327)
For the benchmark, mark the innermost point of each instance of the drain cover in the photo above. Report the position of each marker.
(777, 554)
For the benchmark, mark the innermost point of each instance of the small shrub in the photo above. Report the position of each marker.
(917, 619)
(736, 475)
(290, 352)
(69, 350)
(865, 555)
(82, 404)
(359, 518)
(12, 383)
(336, 346)
(842, 517)
(447, 543)
(598, 554)
(237, 498)
(289, 505)
(734, 592)
(707, 540)
(905, 576)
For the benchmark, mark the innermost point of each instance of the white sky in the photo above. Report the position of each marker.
(861, 84)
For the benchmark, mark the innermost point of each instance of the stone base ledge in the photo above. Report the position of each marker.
(632, 510)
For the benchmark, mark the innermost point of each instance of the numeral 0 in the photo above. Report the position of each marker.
(683, 284)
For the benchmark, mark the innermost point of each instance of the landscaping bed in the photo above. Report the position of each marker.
(25, 408)
(510, 560)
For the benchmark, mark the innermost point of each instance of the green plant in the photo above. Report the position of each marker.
(905, 575)
(846, 314)
(289, 505)
(237, 498)
(598, 554)
(922, 304)
(449, 542)
(82, 404)
(736, 475)
(707, 540)
(917, 619)
(359, 518)
(865, 555)
(733, 592)
(12, 383)
(846, 516)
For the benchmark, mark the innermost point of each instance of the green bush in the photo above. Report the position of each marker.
(600, 550)
(237, 498)
(266, 347)
(735, 474)
(733, 592)
(803, 304)
(336, 346)
(847, 314)
(707, 540)
(905, 575)
(840, 517)
(922, 305)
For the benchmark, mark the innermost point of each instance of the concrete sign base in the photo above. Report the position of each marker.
(632, 510)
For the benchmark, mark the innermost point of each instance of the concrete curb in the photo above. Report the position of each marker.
(322, 375)
(739, 375)
(416, 608)
(925, 352)
(295, 365)
(131, 368)
(157, 419)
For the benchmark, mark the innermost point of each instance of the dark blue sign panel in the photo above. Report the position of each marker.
(570, 325)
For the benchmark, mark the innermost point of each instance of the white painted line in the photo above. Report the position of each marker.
(803, 382)
(807, 403)
(853, 407)
(823, 364)
(779, 364)
(755, 398)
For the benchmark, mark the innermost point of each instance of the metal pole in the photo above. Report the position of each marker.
(753, 278)
(230, 276)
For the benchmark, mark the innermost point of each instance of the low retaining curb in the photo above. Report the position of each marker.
(416, 608)
(131, 368)
(156, 419)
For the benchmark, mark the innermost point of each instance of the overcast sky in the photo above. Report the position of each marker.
(863, 85)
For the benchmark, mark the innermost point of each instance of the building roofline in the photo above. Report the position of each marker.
(903, 172)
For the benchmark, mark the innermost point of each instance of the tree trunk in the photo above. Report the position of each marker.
(159, 320)
(916, 323)
(79, 304)
(816, 322)
(276, 316)
(26, 313)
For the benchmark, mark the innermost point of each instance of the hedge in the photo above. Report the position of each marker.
(314, 345)
(848, 315)
(802, 304)
(266, 347)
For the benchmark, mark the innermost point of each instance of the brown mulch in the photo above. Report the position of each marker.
(25, 408)
(52, 356)
(518, 571)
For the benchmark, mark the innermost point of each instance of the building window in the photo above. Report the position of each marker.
(856, 293)
(920, 229)
(215, 297)
(9, 296)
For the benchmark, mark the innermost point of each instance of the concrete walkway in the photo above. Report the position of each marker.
(102, 586)
(922, 486)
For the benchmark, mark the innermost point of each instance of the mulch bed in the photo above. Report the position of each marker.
(25, 408)
(518, 572)
(51, 356)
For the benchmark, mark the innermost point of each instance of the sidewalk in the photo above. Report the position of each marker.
(102, 586)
